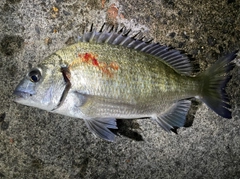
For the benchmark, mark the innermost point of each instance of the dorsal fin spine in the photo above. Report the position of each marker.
(155, 47)
(92, 36)
(116, 40)
(127, 33)
(130, 44)
(127, 38)
(138, 47)
(167, 54)
(101, 30)
(154, 51)
(162, 52)
(150, 48)
(172, 57)
(101, 35)
(146, 47)
(110, 36)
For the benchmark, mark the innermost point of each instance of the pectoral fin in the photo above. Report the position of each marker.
(175, 116)
(101, 126)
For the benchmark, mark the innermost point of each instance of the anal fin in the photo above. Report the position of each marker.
(101, 126)
(175, 116)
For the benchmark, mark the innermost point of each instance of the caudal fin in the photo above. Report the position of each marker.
(215, 80)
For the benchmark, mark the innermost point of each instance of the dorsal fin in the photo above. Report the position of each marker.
(174, 58)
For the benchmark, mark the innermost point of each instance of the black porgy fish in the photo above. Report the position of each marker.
(108, 75)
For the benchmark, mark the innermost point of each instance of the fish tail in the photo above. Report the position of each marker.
(215, 79)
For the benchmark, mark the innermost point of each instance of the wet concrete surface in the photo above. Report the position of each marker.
(38, 144)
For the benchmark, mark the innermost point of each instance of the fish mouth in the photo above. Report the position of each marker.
(20, 95)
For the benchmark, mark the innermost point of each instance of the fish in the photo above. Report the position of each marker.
(108, 74)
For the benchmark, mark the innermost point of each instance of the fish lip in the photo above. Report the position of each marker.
(20, 94)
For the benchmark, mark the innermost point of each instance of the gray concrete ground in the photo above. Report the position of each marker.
(38, 144)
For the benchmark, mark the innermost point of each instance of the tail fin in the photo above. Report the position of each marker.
(215, 79)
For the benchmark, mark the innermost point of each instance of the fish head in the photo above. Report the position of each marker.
(41, 87)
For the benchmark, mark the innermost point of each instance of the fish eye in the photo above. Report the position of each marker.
(34, 75)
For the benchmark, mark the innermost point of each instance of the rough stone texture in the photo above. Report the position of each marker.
(37, 144)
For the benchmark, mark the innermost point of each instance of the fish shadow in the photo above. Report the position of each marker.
(127, 128)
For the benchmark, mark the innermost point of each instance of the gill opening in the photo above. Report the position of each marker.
(66, 76)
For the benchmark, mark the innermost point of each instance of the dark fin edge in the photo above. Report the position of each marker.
(175, 116)
(110, 35)
(215, 79)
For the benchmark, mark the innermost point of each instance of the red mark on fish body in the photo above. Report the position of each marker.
(95, 62)
(114, 66)
(87, 57)
(105, 69)
(91, 59)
